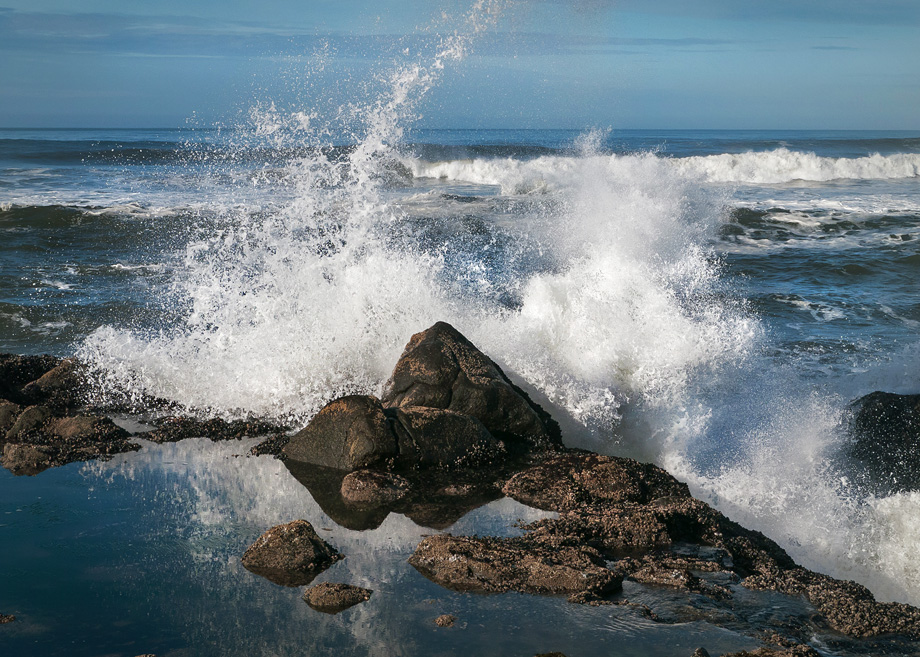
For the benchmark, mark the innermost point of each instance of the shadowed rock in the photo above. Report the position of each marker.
(8, 414)
(885, 428)
(173, 429)
(290, 554)
(348, 433)
(62, 387)
(440, 368)
(16, 371)
(577, 478)
(368, 489)
(333, 598)
(433, 437)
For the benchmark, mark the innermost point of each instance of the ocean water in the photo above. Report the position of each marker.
(707, 300)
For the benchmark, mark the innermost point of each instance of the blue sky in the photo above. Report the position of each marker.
(836, 64)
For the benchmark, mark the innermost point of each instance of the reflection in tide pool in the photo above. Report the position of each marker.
(141, 554)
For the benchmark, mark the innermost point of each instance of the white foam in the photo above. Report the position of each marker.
(544, 173)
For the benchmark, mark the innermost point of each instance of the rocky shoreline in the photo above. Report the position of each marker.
(450, 433)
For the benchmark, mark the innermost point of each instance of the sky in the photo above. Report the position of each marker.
(655, 64)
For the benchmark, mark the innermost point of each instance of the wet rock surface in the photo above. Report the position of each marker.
(623, 520)
(175, 428)
(291, 554)
(445, 620)
(6, 618)
(440, 368)
(885, 430)
(333, 598)
(446, 405)
(366, 488)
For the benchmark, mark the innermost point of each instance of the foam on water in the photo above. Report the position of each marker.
(777, 166)
(608, 302)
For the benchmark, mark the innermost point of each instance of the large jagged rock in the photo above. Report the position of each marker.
(333, 598)
(434, 437)
(8, 414)
(440, 368)
(290, 555)
(62, 387)
(348, 433)
(885, 430)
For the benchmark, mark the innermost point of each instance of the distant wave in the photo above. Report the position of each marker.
(776, 166)
(783, 165)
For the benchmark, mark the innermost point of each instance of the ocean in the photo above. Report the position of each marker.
(711, 301)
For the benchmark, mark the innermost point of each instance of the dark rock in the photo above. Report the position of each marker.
(27, 459)
(333, 598)
(290, 555)
(497, 565)
(16, 371)
(885, 430)
(348, 433)
(433, 437)
(8, 414)
(576, 478)
(550, 654)
(271, 446)
(440, 368)
(85, 429)
(445, 620)
(795, 651)
(700, 652)
(325, 486)
(174, 428)
(366, 488)
(30, 421)
(4, 618)
(848, 607)
(62, 387)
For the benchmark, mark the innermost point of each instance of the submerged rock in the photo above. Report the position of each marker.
(885, 430)
(333, 598)
(440, 368)
(5, 618)
(445, 620)
(290, 555)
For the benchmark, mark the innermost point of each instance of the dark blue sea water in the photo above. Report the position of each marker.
(709, 300)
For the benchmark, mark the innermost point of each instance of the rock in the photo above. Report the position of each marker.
(347, 434)
(885, 429)
(173, 429)
(577, 478)
(290, 555)
(366, 488)
(497, 565)
(273, 446)
(4, 618)
(700, 652)
(38, 440)
(62, 387)
(16, 371)
(445, 620)
(440, 368)
(433, 437)
(795, 651)
(333, 598)
(8, 414)
(85, 428)
(29, 421)
(27, 459)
